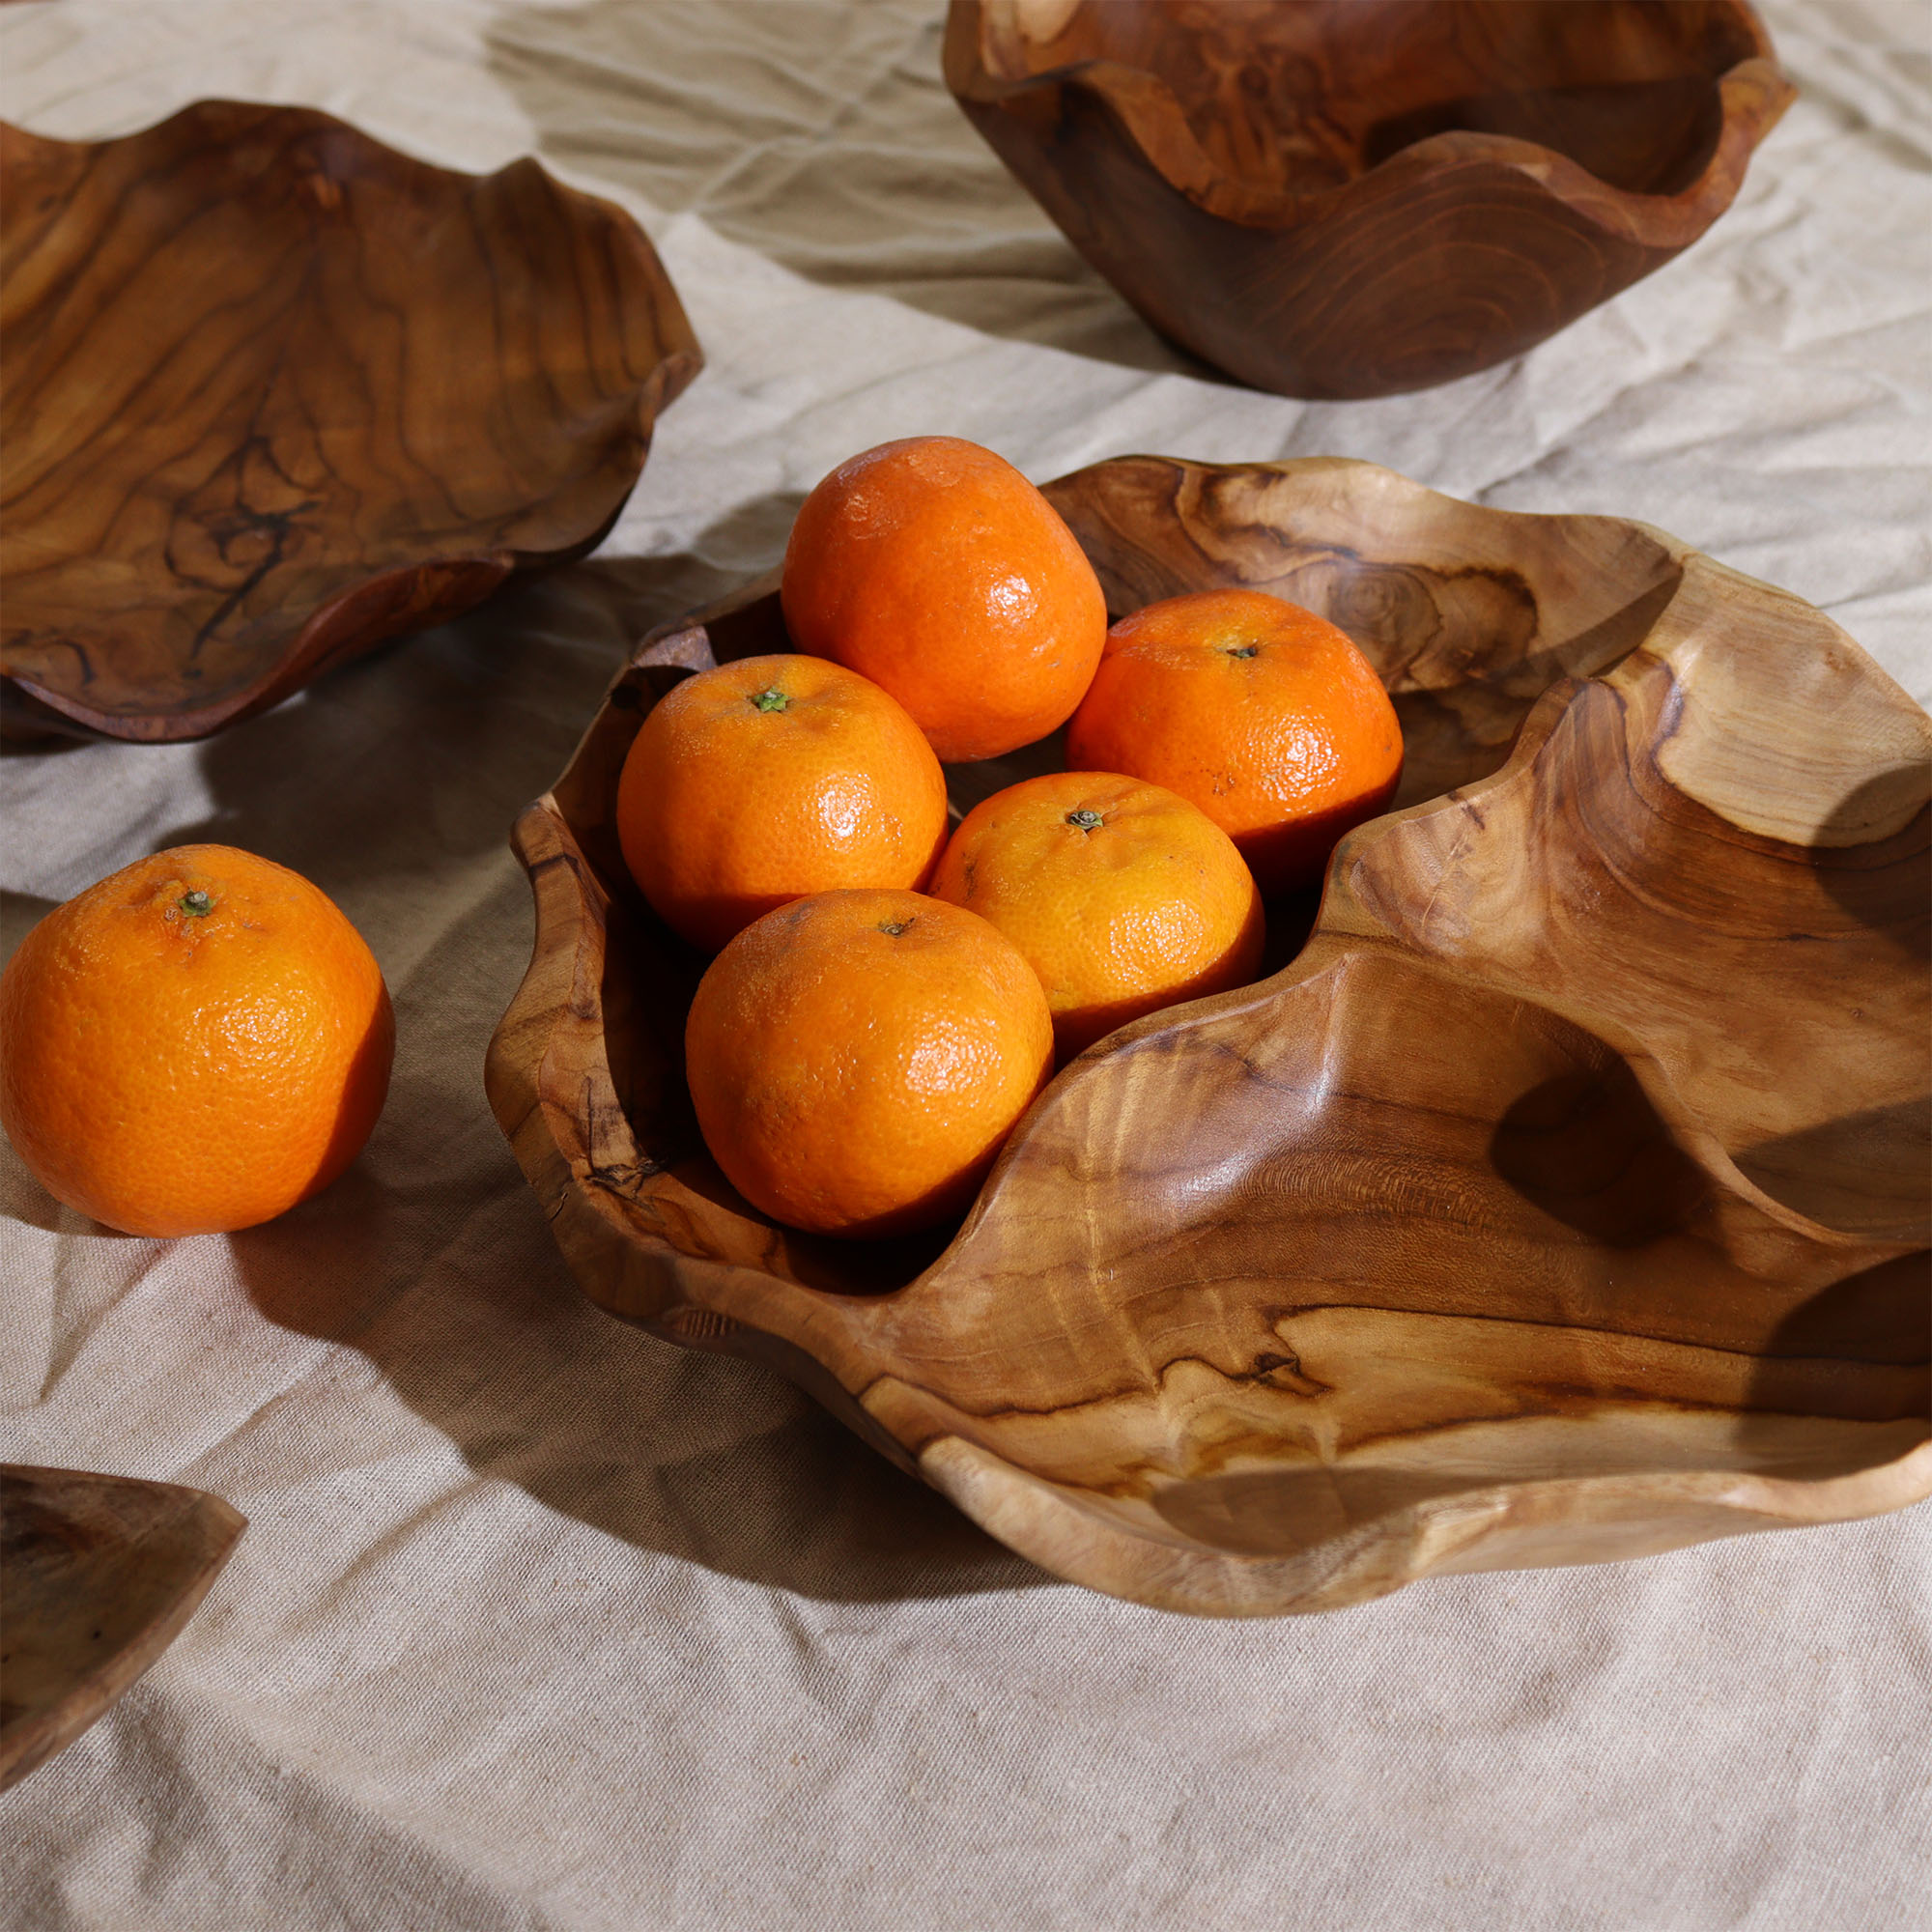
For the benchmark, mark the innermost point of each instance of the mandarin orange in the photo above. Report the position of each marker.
(770, 778)
(1260, 712)
(193, 1045)
(1124, 897)
(934, 568)
(857, 1060)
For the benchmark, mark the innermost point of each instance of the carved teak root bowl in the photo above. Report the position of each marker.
(1358, 197)
(276, 393)
(1563, 1200)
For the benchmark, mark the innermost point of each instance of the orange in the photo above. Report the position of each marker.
(857, 1059)
(1121, 896)
(936, 569)
(1263, 714)
(192, 1045)
(769, 778)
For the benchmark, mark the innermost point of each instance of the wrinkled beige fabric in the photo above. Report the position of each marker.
(539, 1623)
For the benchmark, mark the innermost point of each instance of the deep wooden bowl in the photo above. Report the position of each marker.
(275, 393)
(1563, 1200)
(98, 1575)
(1358, 197)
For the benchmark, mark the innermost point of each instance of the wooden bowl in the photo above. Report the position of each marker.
(100, 1572)
(276, 392)
(1358, 197)
(1563, 1200)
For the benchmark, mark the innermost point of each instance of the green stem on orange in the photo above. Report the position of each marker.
(1087, 821)
(770, 700)
(196, 904)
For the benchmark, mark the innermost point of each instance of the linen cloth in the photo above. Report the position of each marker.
(541, 1623)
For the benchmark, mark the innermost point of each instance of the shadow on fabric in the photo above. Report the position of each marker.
(821, 136)
(702, 1457)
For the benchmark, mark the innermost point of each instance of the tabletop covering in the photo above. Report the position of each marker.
(541, 1623)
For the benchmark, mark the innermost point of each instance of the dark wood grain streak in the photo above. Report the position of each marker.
(1564, 1198)
(98, 1575)
(275, 393)
(1334, 198)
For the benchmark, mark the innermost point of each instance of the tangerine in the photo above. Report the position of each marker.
(193, 1045)
(770, 778)
(857, 1059)
(1260, 712)
(934, 568)
(1122, 897)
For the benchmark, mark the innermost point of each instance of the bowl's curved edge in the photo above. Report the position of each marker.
(394, 604)
(515, 1055)
(371, 609)
(1554, 1523)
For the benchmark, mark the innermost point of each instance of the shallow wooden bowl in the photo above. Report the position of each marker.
(98, 1575)
(1358, 197)
(1563, 1200)
(275, 393)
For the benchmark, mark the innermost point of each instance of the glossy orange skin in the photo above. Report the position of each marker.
(726, 811)
(1149, 905)
(852, 1079)
(169, 1073)
(936, 569)
(1263, 714)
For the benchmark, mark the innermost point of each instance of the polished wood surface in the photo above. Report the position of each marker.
(275, 393)
(98, 1575)
(1334, 198)
(1563, 1199)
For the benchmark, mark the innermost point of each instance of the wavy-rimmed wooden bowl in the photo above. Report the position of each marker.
(275, 393)
(1358, 197)
(1564, 1199)
(98, 1575)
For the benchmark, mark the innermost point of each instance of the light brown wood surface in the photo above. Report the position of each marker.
(1358, 197)
(275, 393)
(1563, 1199)
(98, 1575)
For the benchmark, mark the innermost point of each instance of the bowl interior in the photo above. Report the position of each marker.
(1298, 98)
(1422, 1240)
(1470, 618)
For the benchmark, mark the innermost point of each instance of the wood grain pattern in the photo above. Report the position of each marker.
(1334, 198)
(275, 393)
(100, 1573)
(1565, 1197)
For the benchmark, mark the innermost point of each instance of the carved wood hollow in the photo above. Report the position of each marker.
(1562, 1199)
